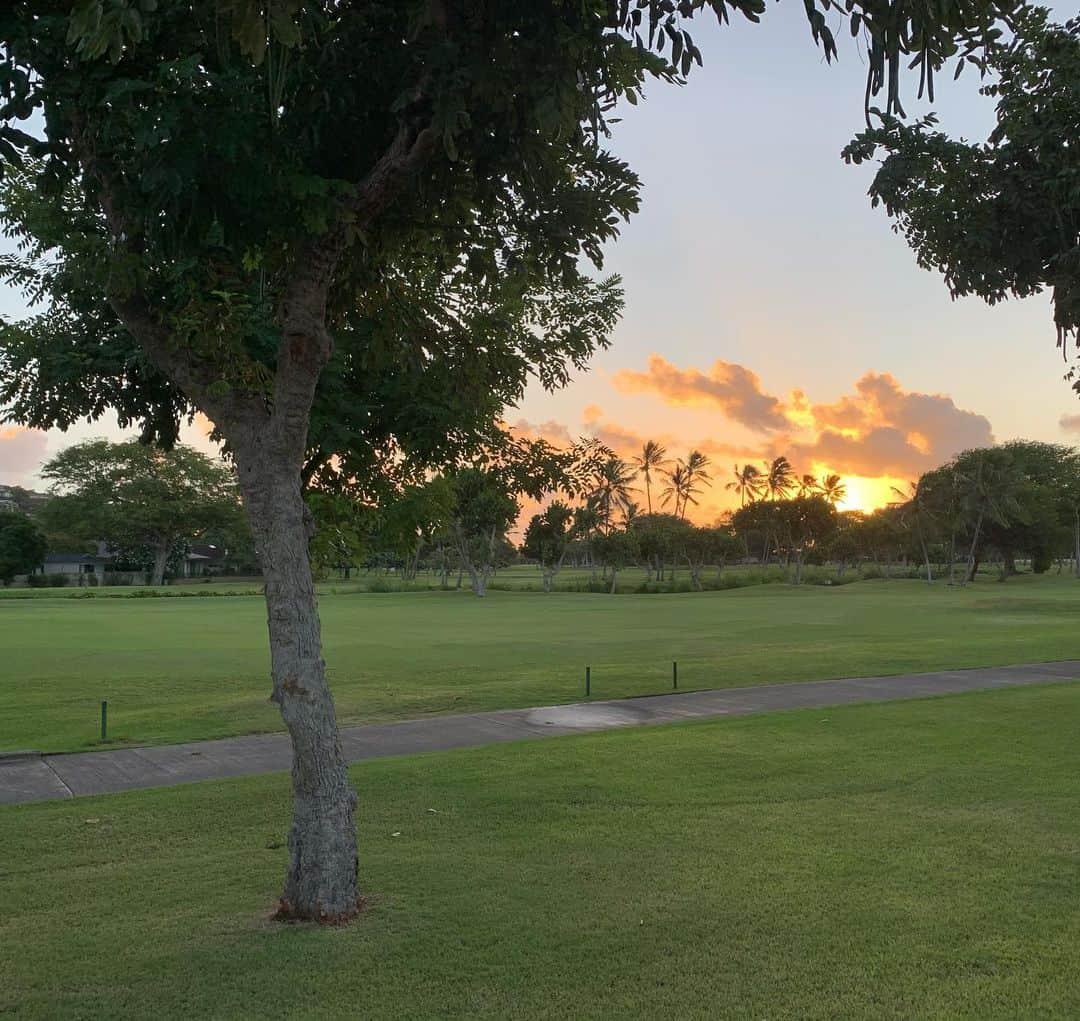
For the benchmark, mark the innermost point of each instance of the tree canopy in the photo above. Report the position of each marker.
(22, 545)
(139, 499)
(1001, 217)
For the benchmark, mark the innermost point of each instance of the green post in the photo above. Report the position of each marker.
(674, 675)
(588, 681)
(104, 719)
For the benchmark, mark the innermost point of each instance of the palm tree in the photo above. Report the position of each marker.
(808, 484)
(779, 478)
(747, 482)
(613, 489)
(988, 492)
(653, 457)
(676, 487)
(833, 489)
(695, 466)
(913, 510)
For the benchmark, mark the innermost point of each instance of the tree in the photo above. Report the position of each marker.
(547, 539)
(989, 492)
(138, 497)
(801, 524)
(413, 517)
(22, 546)
(484, 508)
(747, 482)
(653, 458)
(703, 545)
(616, 549)
(915, 515)
(655, 538)
(779, 478)
(999, 218)
(696, 475)
(675, 491)
(832, 488)
(611, 493)
(348, 234)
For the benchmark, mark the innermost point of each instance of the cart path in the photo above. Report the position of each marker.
(38, 778)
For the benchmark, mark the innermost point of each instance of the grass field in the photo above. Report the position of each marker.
(908, 860)
(184, 669)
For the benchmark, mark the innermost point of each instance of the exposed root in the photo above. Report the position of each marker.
(287, 914)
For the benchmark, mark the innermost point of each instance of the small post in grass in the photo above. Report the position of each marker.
(674, 676)
(104, 719)
(588, 681)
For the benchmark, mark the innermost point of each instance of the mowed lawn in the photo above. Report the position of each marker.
(904, 860)
(184, 669)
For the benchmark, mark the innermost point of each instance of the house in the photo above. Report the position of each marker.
(79, 564)
(204, 559)
(15, 498)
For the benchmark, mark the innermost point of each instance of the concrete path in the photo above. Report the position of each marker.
(38, 778)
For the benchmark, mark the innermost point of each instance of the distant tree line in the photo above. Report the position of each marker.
(1018, 502)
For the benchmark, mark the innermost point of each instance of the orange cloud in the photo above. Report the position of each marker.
(1070, 423)
(880, 429)
(878, 436)
(883, 429)
(21, 452)
(554, 433)
(732, 388)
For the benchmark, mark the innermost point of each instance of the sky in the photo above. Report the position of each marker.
(769, 309)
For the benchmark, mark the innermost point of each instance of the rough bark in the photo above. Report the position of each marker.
(1076, 542)
(161, 559)
(321, 877)
(269, 441)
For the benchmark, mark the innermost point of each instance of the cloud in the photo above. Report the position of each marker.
(620, 439)
(883, 429)
(21, 452)
(732, 388)
(1070, 423)
(553, 432)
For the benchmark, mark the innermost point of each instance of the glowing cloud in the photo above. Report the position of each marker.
(732, 388)
(1070, 423)
(878, 436)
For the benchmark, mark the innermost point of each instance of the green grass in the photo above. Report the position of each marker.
(185, 669)
(906, 860)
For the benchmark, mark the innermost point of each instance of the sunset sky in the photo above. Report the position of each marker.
(769, 309)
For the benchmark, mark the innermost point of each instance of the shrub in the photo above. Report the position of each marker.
(57, 580)
(37, 580)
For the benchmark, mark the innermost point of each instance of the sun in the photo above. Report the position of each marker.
(866, 493)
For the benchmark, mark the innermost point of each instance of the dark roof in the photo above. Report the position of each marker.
(74, 558)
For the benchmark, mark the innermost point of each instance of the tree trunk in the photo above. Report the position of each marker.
(925, 551)
(798, 567)
(973, 564)
(161, 558)
(321, 878)
(1076, 542)
(614, 579)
